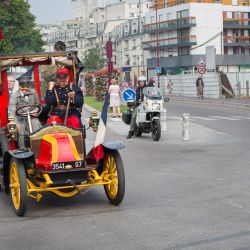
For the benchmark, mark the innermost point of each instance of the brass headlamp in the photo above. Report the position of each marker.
(12, 128)
(94, 121)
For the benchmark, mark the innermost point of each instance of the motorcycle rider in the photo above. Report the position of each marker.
(139, 99)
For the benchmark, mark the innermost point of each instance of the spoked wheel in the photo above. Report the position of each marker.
(156, 131)
(18, 186)
(113, 165)
(4, 148)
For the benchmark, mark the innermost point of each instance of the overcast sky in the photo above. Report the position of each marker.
(51, 11)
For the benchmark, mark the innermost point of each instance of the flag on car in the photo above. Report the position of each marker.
(98, 151)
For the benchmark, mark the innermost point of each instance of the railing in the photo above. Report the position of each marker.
(236, 22)
(242, 40)
(171, 42)
(170, 24)
(179, 2)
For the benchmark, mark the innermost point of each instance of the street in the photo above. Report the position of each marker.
(179, 194)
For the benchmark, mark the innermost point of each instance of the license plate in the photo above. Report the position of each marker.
(67, 165)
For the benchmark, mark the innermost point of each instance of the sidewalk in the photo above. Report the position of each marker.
(237, 103)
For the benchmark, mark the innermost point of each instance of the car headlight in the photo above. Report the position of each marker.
(156, 106)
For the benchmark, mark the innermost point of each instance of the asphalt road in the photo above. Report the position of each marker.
(179, 195)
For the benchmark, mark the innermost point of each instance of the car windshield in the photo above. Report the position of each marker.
(152, 92)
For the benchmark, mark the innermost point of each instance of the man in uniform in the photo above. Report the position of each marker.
(24, 96)
(57, 97)
(139, 99)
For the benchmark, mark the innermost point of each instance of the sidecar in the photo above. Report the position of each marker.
(54, 158)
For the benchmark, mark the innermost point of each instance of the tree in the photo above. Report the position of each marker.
(18, 24)
(94, 60)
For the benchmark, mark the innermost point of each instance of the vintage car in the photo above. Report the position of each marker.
(54, 159)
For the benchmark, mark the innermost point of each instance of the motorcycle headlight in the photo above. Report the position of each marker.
(156, 106)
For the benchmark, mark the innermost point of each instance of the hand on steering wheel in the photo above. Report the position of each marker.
(33, 109)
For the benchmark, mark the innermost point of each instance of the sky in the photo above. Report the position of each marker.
(51, 11)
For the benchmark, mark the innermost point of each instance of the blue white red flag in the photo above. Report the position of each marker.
(98, 151)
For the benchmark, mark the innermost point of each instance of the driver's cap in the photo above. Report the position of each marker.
(62, 73)
(24, 81)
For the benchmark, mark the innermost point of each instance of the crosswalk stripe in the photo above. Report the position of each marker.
(224, 118)
(241, 117)
(203, 118)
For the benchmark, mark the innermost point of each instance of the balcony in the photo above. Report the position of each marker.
(236, 23)
(174, 24)
(236, 41)
(174, 42)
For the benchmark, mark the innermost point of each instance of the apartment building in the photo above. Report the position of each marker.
(176, 38)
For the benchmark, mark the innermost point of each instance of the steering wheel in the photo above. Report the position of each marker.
(23, 111)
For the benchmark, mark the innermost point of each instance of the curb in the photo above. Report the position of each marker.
(215, 103)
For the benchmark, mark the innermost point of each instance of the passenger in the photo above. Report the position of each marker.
(57, 98)
(24, 96)
(12, 85)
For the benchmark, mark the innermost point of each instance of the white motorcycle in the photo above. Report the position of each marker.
(148, 113)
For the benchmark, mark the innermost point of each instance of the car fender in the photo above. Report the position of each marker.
(115, 145)
(6, 163)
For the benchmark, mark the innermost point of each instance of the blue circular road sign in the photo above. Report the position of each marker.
(128, 95)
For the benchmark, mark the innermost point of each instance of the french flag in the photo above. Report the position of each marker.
(98, 151)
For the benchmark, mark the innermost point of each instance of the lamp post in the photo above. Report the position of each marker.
(109, 55)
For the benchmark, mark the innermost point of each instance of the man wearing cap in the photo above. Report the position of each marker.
(57, 97)
(24, 96)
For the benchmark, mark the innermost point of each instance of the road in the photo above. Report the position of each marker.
(179, 195)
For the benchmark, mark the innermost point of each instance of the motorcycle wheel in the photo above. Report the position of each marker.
(138, 132)
(156, 130)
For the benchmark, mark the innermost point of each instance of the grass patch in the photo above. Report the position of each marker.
(92, 102)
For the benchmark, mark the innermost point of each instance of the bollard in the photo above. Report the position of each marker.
(185, 127)
(163, 120)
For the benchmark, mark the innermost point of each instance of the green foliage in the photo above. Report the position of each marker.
(91, 101)
(18, 24)
(89, 84)
(94, 60)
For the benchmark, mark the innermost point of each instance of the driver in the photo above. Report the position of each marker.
(139, 98)
(22, 97)
(57, 97)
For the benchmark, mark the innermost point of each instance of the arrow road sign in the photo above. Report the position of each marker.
(128, 95)
(201, 69)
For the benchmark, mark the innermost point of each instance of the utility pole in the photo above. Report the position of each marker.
(157, 40)
(222, 50)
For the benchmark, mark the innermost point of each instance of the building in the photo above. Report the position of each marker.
(177, 40)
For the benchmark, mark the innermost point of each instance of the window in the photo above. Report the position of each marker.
(182, 14)
(229, 14)
(235, 2)
(237, 14)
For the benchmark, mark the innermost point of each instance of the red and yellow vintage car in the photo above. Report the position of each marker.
(54, 159)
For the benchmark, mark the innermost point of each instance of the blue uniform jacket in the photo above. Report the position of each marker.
(75, 106)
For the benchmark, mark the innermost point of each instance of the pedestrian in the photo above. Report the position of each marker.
(24, 97)
(115, 102)
(151, 82)
(170, 87)
(199, 87)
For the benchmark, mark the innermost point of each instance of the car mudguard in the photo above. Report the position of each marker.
(114, 145)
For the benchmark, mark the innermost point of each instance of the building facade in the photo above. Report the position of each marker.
(177, 34)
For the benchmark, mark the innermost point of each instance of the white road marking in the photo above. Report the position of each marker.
(203, 118)
(224, 118)
(241, 117)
